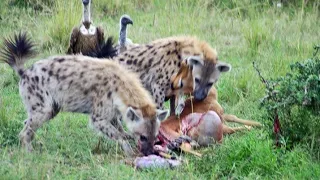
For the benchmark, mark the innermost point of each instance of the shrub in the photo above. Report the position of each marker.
(35, 4)
(294, 99)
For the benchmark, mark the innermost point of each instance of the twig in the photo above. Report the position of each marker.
(316, 48)
(259, 73)
(154, 19)
(276, 121)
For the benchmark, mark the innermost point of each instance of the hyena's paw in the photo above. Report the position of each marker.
(27, 146)
(25, 140)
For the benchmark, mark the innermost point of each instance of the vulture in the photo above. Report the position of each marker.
(123, 40)
(85, 38)
(107, 49)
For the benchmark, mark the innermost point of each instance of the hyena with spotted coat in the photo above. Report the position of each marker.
(82, 84)
(157, 62)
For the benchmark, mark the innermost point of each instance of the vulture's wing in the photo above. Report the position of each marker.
(73, 40)
(100, 34)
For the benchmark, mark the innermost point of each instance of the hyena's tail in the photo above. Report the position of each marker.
(17, 51)
(104, 50)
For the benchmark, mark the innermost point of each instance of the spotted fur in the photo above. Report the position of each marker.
(157, 62)
(102, 89)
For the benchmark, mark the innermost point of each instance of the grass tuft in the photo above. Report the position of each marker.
(66, 15)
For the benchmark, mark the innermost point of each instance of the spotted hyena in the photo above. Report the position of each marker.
(160, 60)
(82, 84)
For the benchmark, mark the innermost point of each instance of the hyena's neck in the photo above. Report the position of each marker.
(143, 103)
(129, 91)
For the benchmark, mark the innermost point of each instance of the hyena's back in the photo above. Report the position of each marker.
(68, 83)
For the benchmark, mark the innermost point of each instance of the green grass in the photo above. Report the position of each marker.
(241, 32)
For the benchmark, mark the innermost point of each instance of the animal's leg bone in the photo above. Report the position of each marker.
(180, 104)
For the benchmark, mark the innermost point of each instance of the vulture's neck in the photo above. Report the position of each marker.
(123, 34)
(86, 14)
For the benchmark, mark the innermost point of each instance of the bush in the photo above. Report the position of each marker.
(295, 100)
(35, 4)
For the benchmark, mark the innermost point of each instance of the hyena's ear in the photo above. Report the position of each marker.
(132, 114)
(162, 114)
(223, 67)
(194, 61)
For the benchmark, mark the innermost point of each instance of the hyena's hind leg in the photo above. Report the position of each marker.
(37, 115)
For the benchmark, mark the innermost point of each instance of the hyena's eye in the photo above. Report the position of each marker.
(197, 80)
(209, 84)
(143, 138)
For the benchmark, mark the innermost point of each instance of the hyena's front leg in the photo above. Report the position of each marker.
(118, 124)
(105, 127)
(102, 117)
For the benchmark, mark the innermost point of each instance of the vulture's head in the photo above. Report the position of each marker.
(125, 20)
(85, 2)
